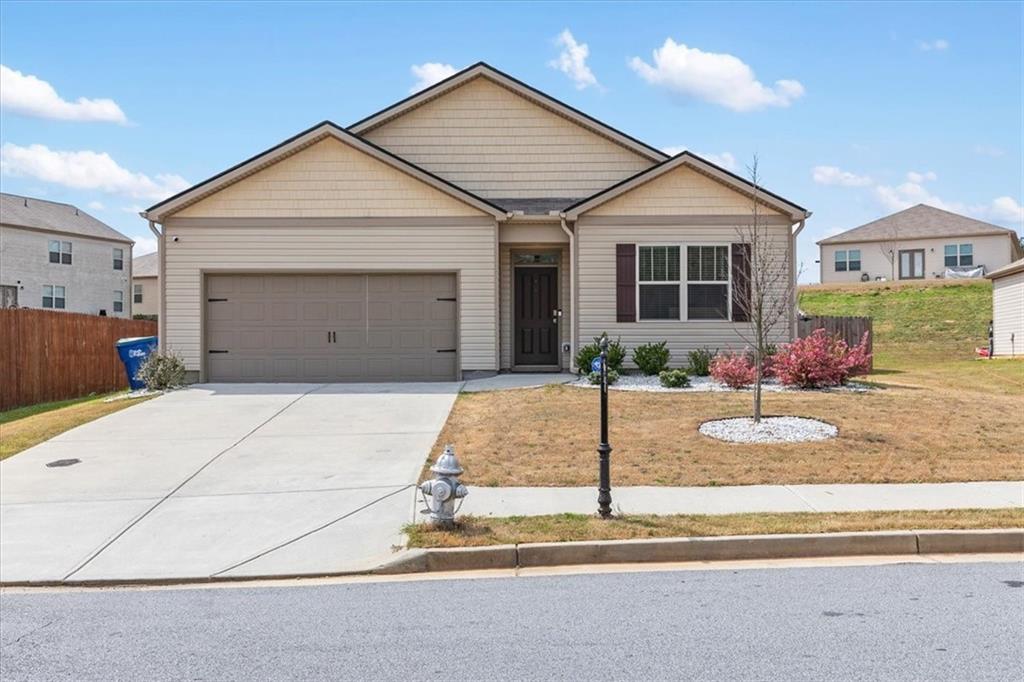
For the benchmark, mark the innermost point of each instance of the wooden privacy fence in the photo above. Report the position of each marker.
(48, 355)
(849, 329)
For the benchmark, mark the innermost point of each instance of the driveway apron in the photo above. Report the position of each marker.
(223, 480)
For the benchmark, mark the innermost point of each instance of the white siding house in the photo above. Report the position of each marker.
(58, 257)
(1008, 310)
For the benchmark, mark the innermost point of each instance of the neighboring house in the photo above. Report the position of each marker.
(145, 285)
(477, 226)
(58, 257)
(1008, 309)
(921, 242)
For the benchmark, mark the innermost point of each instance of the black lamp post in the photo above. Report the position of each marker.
(604, 450)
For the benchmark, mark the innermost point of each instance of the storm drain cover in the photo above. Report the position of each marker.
(63, 462)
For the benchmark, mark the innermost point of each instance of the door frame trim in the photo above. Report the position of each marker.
(204, 273)
(513, 365)
(899, 256)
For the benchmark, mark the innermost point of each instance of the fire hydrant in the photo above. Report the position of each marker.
(441, 492)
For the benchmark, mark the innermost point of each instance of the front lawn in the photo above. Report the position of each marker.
(937, 414)
(23, 427)
(476, 531)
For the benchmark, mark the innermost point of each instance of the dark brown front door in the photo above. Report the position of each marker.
(535, 324)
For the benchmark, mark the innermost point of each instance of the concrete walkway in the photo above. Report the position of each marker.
(512, 380)
(747, 499)
(223, 480)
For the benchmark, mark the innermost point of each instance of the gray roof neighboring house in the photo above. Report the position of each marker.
(146, 266)
(52, 216)
(918, 222)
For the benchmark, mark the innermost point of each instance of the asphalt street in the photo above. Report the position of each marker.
(903, 621)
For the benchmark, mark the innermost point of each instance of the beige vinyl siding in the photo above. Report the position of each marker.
(328, 179)
(465, 246)
(150, 296)
(596, 271)
(679, 192)
(1008, 315)
(992, 251)
(507, 297)
(495, 143)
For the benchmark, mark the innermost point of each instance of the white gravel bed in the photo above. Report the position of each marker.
(639, 382)
(770, 430)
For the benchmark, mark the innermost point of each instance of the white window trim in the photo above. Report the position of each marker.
(53, 297)
(959, 255)
(137, 291)
(728, 281)
(119, 298)
(118, 258)
(684, 280)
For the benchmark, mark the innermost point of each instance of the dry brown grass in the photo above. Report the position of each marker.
(474, 531)
(22, 433)
(940, 423)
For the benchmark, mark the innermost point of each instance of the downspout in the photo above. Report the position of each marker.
(793, 275)
(571, 233)
(161, 318)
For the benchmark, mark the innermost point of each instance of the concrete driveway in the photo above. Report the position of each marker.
(223, 481)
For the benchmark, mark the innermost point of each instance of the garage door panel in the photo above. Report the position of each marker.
(340, 327)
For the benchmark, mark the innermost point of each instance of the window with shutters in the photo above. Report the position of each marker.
(707, 282)
(659, 282)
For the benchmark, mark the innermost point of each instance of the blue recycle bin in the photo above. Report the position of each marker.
(134, 352)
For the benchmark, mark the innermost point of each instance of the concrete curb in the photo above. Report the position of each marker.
(655, 550)
(728, 548)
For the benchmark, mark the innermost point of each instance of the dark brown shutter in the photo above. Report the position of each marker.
(741, 282)
(625, 282)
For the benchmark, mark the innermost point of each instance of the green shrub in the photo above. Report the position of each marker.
(700, 361)
(674, 378)
(616, 355)
(651, 358)
(595, 377)
(161, 371)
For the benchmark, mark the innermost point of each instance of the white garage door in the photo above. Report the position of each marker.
(331, 328)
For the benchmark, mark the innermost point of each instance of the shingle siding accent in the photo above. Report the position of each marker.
(294, 246)
(679, 191)
(495, 143)
(328, 179)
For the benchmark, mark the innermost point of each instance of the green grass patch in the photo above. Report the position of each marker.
(481, 531)
(27, 411)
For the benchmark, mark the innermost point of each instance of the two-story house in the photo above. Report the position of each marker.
(58, 257)
(145, 284)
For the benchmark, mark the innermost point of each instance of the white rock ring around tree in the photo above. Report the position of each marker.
(769, 430)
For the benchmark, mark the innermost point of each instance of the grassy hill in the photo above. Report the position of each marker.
(933, 320)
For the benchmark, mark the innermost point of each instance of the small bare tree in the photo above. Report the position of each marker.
(766, 284)
(890, 246)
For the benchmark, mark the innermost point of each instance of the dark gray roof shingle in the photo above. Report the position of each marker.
(917, 222)
(535, 206)
(19, 211)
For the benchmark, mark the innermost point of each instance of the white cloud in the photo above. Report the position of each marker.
(96, 206)
(919, 178)
(429, 73)
(714, 77)
(1006, 209)
(25, 94)
(937, 45)
(572, 61)
(988, 150)
(672, 151)
(725, 160)
(85, 170)
(134, 209)
(143, 244)
(833, 175)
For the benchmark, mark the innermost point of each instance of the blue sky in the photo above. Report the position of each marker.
(879, 105)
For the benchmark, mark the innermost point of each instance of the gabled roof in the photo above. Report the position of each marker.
(483, 70)
(320, 131)
(698, 164)
(52, 216)
(918, 222)
(1011, 269)
(146, 266)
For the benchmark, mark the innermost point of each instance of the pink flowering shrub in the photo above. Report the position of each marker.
(734, 370)
(821, 360)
